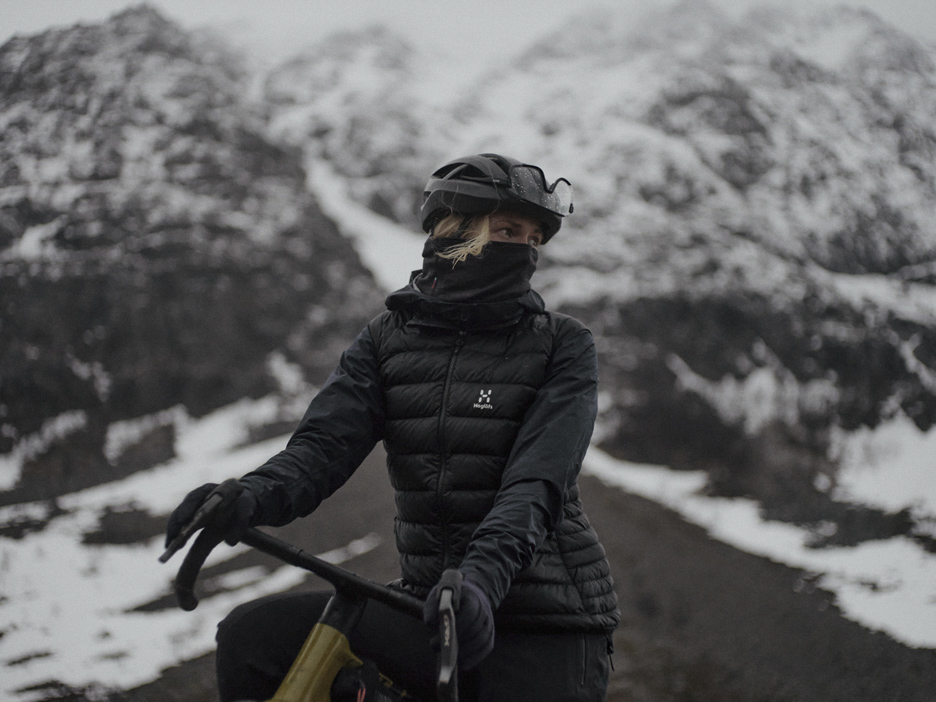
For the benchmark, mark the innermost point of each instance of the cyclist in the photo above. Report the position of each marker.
(485, 402)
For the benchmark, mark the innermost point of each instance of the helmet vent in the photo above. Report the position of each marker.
(463, 170)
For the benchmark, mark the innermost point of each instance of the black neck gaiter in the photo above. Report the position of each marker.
(502, 272)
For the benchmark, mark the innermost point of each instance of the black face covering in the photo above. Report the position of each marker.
(502, 272)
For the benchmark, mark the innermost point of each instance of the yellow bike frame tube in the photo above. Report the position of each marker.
(326, 651)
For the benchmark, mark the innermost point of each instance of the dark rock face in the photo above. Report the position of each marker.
(680, 367)
(158, 246)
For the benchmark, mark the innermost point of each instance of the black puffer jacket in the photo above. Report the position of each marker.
(486, 411)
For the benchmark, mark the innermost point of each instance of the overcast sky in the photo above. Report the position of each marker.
(499, 26)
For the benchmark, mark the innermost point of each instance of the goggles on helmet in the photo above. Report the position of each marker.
(483, 183)
(528, 183)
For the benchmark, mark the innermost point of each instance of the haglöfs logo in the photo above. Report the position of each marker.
(484, 400)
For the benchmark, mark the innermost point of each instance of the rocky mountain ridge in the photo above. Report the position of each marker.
(359, 100)
(156, 246)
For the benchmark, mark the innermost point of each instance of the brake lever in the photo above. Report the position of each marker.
(447, 684)
(184, 586)
(198, 521)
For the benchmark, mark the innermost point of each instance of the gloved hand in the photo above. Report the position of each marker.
(232, 516)
(474, 622)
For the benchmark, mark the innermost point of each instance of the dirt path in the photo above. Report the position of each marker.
(703, 622)
(706, 622)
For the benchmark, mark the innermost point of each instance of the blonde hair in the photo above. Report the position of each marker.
(475, 231)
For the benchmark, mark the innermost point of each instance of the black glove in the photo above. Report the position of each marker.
(231, 517)
(474, 622)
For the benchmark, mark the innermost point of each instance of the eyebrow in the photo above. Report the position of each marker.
(511, 219)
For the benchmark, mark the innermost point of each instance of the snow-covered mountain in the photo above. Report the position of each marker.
(753, 247)
(156, 246)
(365, 101)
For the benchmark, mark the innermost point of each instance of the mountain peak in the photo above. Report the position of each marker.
(608, 33)
(698, 21)
(381, 46)
(143, 16)
(142, 28)
(839, 39)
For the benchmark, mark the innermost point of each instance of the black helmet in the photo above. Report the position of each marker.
(481, 184)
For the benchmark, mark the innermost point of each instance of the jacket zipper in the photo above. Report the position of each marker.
(443, 456)
(584, 661)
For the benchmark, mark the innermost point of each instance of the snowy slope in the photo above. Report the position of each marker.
(391, 252)
(372, 106)
(71, 609)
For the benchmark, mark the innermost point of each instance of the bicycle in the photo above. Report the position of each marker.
(326, 652)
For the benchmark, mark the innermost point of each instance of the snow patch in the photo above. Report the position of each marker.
(55, 429)
(124, 434)
(390, 251)
(915, 365)
(289, 377)
(834, 45)
(355, 548)
(887, 586)
(94, 372)
(891, 466)
(915, 302)
(765, 395)
(36, 243)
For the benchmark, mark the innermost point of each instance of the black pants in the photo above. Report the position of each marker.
(258, 641)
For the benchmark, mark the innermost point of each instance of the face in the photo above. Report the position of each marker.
(515, 228)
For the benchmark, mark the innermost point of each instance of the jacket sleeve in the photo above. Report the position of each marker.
(340, 428)
(544, 463)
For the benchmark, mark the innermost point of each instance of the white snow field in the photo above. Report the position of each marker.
(66, 607)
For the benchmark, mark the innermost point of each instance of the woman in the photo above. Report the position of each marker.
(485, 403)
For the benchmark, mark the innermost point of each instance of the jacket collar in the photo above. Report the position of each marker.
(464, 316)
